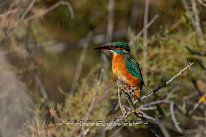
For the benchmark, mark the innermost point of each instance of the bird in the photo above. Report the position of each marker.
(125, 66)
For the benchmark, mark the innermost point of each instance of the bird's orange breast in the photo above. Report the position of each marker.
(119, 68)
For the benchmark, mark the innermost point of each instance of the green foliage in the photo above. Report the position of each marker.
(167, 53)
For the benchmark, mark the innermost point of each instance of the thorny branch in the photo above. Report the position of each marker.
(144, 119)
(170, 80)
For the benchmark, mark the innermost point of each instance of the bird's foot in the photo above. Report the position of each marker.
(137, 113)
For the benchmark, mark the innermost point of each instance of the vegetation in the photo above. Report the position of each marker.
(50, 53)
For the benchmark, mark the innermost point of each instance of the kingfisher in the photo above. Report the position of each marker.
(125, 66)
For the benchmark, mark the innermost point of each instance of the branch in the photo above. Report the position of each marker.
(27, 10)
(108, 38)
(42, 13)
(82, 133)
(141, 32)
(7, 13)
(174, 118)
(145, 37)
(174, 105)
(143, 118)
(79, 66)
(201, 100)
(169, 81)
(192, 51)
(171, 110)
(201, 2)
(110, 25)
(197, 18)
(35, 72)
(146, 12)
(162, 127)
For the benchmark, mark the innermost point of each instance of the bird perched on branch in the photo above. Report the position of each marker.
(125, 66)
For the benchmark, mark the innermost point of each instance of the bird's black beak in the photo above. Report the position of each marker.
(103, 48)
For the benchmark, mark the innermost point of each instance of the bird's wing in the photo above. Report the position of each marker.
(133, 66)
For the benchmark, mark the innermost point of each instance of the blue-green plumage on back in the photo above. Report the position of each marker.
(131, 62)
(125, 66)
(133, 67)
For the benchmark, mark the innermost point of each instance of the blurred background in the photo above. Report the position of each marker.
(50, 70)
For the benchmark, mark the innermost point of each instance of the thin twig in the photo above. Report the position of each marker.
(108, 38)
(146, 116)
(36, 75)
(171, 111)
(92, 103)
(197, 18)
(27, 10)
(146, 14)
(178, 74)
(42, 13)
(201, 100)
(162, 127)
(174, 118)
(134, 15)
(103, 96)
(201, 2)
(170, 80)
(186, 98)
(141, 32)
(192, 51)
(143, 117)
(175, 106)
(79, 66)
(7, 13)
(110, 25)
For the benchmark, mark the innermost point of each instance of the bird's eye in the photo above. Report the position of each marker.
(111, 47)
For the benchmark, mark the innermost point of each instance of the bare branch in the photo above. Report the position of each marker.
(162, 127)
(7, 13)
(197, 18)
(42, 13)
(146, 12)
(173, 117)
(141, 32)
(202, 2)
(27, 10)
(79, 66)
(170, 80)
(36, 75)
(108, 38)
(82, 134)
(110, 25)
(178, 74)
